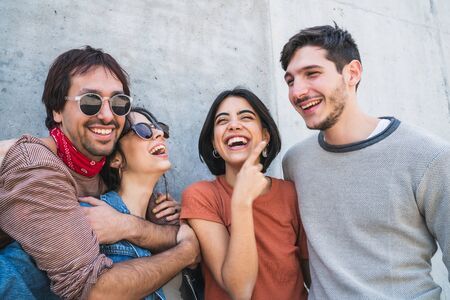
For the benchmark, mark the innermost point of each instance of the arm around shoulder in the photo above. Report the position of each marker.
(39, 209)
(111, 226)
(136, 278)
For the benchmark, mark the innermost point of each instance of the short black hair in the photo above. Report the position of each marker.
(339, 44)
(71, 63)
(205, 145)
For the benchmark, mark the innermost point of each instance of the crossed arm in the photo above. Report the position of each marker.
(134, 279)
(144, 275)
(111, 226)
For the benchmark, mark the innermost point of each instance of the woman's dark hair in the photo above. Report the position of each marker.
(205, 145)
(111, 176)
(71, 63)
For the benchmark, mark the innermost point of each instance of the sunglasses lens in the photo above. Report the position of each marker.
(120, 104)
(90, 104)
(165, 129)
(143, 130)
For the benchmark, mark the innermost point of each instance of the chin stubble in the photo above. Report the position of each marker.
(337, 99)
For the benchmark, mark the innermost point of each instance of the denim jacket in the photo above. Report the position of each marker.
(20, 278)
(124, 250)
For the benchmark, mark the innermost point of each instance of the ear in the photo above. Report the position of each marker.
(57, 116)
(352, 73)
(266, 135)
(213, 143)
(116, 162)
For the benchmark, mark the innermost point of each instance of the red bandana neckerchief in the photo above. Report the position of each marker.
(73, 158)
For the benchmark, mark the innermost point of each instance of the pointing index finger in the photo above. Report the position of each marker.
(253, 158)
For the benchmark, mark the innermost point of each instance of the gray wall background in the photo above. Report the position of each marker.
(181, 54)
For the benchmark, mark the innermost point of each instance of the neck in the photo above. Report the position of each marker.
(353, 126)
(136, 189)
(230, 174)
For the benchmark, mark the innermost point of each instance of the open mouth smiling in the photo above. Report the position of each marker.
(158, 150)
(101, 131)
(308, 104)
(236, 142)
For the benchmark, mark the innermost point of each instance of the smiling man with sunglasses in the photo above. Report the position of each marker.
(86, 96)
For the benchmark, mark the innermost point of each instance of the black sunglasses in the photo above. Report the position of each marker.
(145, 130)
(91, 103)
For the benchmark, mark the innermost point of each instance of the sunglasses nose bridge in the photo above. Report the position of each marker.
(157, 132)
(106, 111)
(148, 131)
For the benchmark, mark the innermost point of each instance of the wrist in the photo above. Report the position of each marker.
(241, 204)
(189, 250)
(129, 227)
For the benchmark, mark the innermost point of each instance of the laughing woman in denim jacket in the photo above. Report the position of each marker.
(131, 172)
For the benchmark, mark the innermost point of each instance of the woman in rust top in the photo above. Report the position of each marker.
(248, 224)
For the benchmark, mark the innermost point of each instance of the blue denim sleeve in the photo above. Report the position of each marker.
(20, 278)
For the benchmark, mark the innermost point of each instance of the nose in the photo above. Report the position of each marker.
(105, 114)
(299, 89)
(234, 124)
(157, 133)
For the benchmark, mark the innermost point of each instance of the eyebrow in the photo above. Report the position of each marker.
(221, 114)
(244, 111)
(85, 90)
(287, 74)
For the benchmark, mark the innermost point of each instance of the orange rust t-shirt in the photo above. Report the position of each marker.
(280, 238)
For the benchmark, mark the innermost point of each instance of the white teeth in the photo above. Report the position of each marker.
(161, 149)
(308, 105)
(238, 139)
(101, 131)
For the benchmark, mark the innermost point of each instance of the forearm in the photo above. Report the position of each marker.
(240, 268)
(149, 235)
(137, 278)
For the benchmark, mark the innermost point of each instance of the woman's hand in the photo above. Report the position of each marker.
(250, 181)
(166, 209)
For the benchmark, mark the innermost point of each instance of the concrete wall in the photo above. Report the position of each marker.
(181, 54)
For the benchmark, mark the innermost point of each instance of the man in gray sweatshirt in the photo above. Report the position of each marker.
(374, 193)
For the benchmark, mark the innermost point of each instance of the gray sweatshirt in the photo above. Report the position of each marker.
(372, 212)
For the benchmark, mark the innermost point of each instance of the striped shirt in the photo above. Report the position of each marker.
(39, 208)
